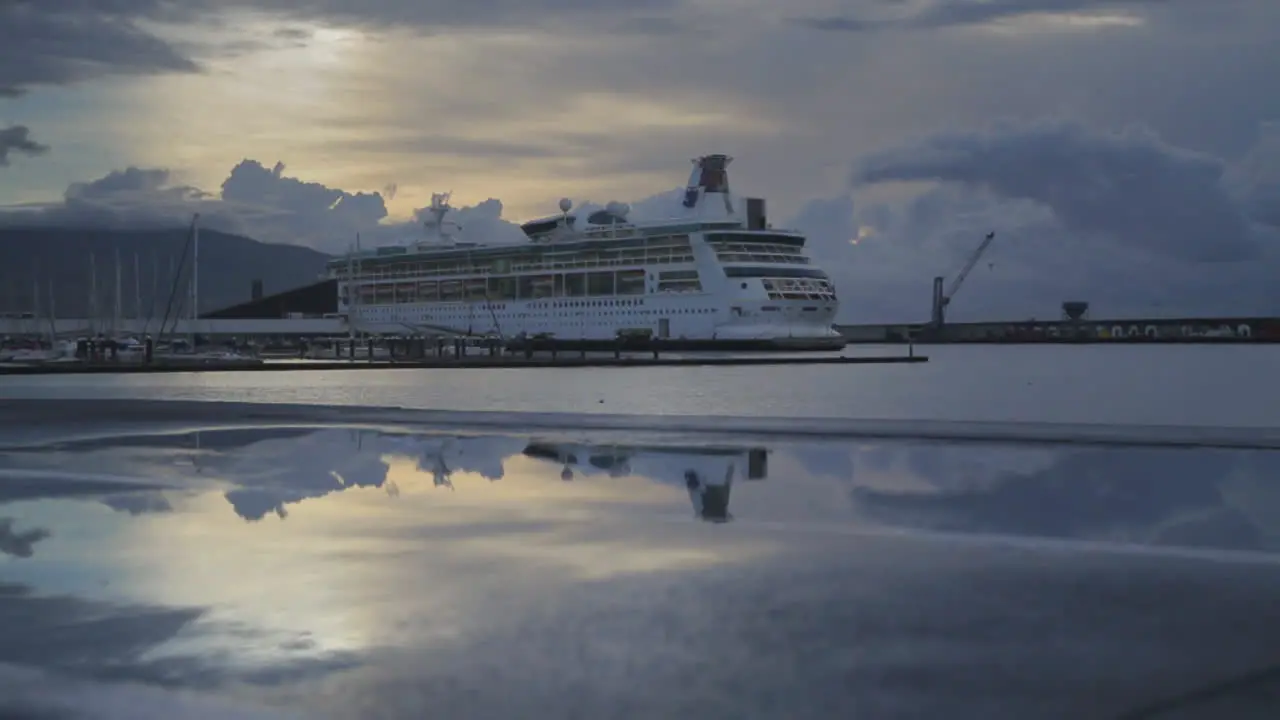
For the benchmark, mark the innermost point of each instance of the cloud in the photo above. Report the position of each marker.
(415, 14)
(1256, 180)
(56, 42)
(17, 139)
(315, 209)
(1175, 233)
(267, 204)
(255, 200)
(19, 543)
(893, 14)
(129, 198)
(1128, 186)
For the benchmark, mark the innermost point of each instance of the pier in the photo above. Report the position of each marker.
(457, 362)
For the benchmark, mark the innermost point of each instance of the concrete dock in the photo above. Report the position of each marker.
(464, 362)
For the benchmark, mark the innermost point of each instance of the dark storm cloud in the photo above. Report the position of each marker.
(1257, 178)
(17, 139)
(1128, 186)
(19, 543)
(950, 13)
(55, 42)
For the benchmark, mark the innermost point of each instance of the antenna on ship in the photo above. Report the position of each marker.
(439, 208)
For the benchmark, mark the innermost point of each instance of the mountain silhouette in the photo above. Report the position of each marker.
(62, 258)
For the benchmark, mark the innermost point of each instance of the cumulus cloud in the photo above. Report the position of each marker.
(255, 200)
(311, 210)
(482, 222)
(1128, 186)
(17, 139)
(129, 198)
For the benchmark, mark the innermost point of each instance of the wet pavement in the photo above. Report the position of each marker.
(321, 570)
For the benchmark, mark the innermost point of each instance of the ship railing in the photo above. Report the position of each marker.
(478, 271)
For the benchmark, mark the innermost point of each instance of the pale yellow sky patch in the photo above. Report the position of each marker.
(351, 113)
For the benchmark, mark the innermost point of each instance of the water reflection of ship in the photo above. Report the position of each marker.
(707, 473)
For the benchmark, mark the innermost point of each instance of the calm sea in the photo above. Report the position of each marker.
(1185, 385)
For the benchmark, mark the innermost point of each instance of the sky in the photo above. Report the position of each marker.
(1126, 152)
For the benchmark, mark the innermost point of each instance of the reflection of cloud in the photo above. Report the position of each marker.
(19, 544)
(1160, 496)
(87, 636)
(107, 641)
(288, 468)
(139, 503)
(27, 694)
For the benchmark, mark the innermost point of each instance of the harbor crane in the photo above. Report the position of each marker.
(942, 299)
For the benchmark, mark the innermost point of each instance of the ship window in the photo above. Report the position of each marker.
(774, 272)
(600, 283)
(575, 285)
(544, 286)
(502, 288)
(524, 287)
(679, 286)
(678, 275)
(631, 282)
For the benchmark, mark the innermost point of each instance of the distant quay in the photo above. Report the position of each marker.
(1176, 331)
(440, 363)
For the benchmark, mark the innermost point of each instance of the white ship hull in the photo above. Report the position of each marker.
(700, 318)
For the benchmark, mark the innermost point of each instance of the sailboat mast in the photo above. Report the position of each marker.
(35, 297)
(53, 317)
(195, 276)
(353, 289)
(93, 293)
(137, 288)
(115, 320)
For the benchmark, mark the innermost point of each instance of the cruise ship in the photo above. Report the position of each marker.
(716, 275)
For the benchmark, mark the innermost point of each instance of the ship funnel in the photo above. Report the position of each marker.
(710, 175)
(757, 218)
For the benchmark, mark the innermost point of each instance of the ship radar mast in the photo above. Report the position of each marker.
(436, 227)
(565, 206)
